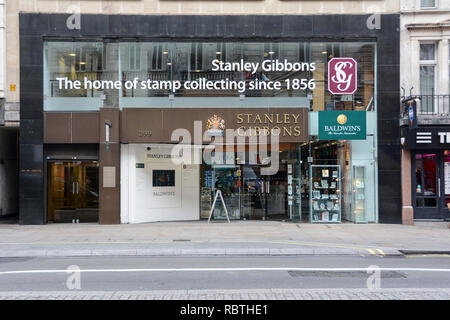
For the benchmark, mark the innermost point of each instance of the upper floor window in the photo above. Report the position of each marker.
(428, 52)
(135, 56)
(427, 75)
(425, 4)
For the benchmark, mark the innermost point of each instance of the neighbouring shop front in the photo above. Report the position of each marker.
(114, 153)
(429, 149)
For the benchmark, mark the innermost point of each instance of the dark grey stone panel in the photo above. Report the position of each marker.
(389, 79)
(297, 26)
(237, 27)
(388, 131)
(389, 184)
(327, 25)
(153, 26)
(32, 211)
(31, 131)
(31, 156)
(388, 104)
(33, 24)
(31, 78)
(31, 185)
(389, 157)
(269, 26)
(94, 24)
(390, 209)
(31, 53)
(31, 106)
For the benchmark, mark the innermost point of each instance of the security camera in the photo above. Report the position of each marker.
(148, 148)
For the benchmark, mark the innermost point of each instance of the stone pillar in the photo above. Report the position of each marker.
(109, 166)
(407, 209)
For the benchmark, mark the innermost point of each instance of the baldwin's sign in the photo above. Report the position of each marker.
(342, 125)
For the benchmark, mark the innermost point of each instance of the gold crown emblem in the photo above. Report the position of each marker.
(215, 123)
(342, 119)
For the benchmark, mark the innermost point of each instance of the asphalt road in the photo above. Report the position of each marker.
(207, 273)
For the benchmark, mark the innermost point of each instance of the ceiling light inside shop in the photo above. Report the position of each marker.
(324, 52)
(82, 62)
(72, 54)
(218, 52)
(271, 52)
(165, 52)
(169, 63)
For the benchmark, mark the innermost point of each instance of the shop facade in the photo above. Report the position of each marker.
(428, 149)
(424, 120)
(129, 155)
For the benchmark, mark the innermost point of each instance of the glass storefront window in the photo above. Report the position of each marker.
(82, 61)
(191, 61)
(249, 194)
(317, 181)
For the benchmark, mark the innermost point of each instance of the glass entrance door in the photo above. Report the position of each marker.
(427, 186)
(73, 191)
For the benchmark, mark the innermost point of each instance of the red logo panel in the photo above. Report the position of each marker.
(342, 76)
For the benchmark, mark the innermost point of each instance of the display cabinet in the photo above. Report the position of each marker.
(325, 194)
(359, 194)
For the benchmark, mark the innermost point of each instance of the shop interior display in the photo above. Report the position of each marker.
(325, 195)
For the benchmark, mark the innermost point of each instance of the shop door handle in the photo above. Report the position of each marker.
(77, 187)
(73, 187)
(439, 187)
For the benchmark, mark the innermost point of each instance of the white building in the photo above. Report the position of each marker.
(425, 34)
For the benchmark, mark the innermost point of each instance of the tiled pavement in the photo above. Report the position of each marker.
(236, 238)
(241, 294)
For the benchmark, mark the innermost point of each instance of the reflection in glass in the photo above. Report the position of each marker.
(426, 180)
(191, 61)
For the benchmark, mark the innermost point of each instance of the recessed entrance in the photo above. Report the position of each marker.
(73, 190)
(431, 184)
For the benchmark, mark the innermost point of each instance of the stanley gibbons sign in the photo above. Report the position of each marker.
(289, 124)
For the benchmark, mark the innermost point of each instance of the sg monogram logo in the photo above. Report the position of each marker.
(342, 75)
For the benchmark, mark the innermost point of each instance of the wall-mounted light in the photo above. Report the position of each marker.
(107, 126)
